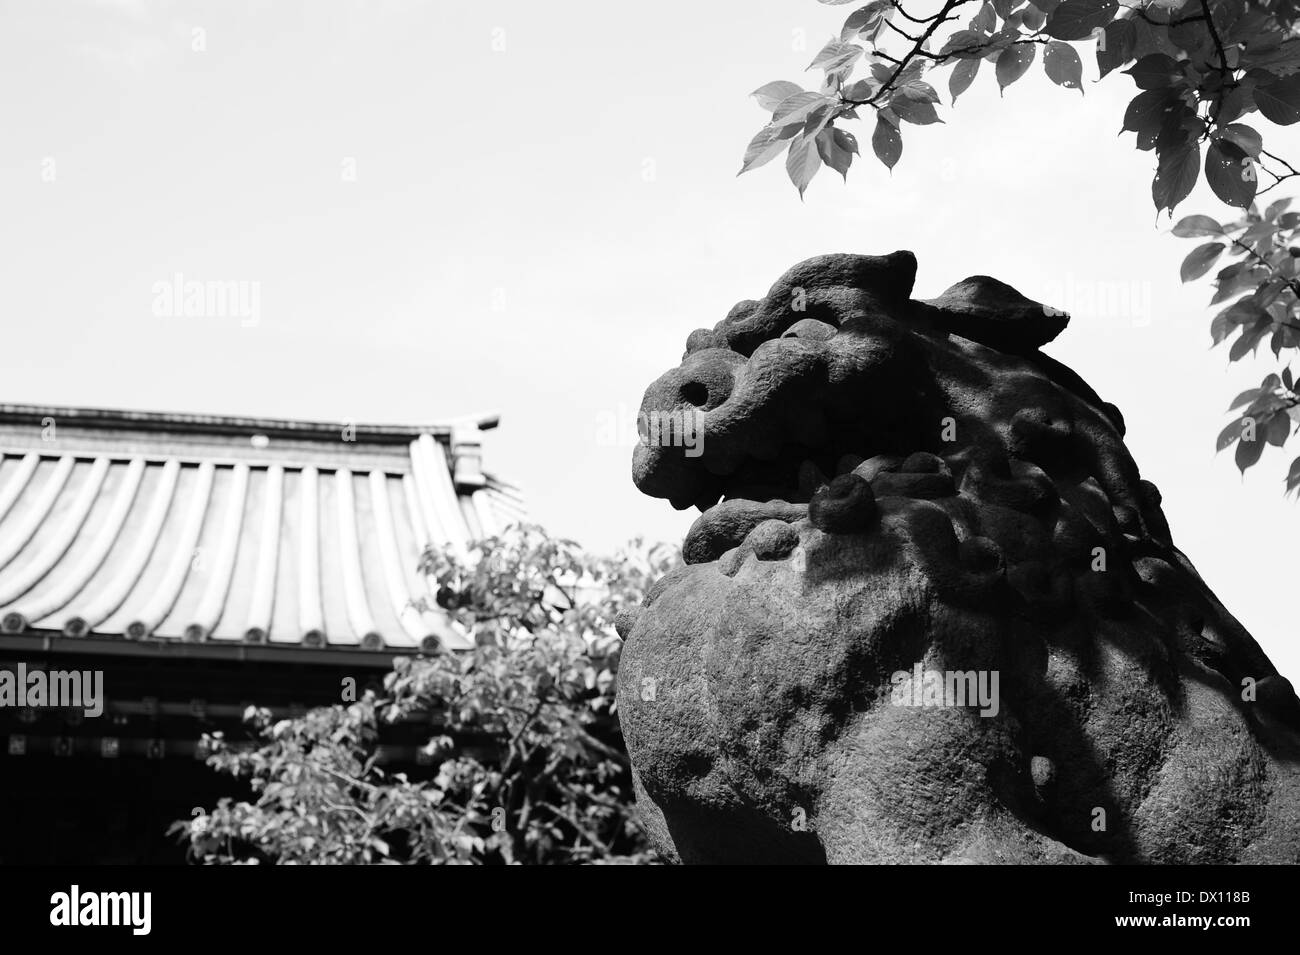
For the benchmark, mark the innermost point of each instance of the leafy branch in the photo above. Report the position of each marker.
(1267, 270)
(1200, 67)
(527, 766)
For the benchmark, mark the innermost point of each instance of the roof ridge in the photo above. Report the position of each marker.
(123, 419)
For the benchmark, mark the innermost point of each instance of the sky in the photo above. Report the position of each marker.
(451, 208)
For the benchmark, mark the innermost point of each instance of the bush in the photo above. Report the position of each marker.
(529, 762)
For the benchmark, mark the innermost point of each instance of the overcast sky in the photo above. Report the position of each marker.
(454, 206)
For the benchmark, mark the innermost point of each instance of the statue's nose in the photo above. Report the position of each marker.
(695, 391)
(704, 383)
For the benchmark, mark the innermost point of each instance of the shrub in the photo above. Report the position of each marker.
(528, 764)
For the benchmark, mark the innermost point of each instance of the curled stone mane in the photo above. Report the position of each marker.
(891, 489)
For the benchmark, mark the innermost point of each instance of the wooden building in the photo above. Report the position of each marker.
(205, 564)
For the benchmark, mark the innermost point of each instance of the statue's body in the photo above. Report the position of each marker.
(912, 488)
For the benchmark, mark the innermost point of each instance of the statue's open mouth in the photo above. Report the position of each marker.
(780, 490)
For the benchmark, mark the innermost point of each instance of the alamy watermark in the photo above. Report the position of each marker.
(191, 298)
(75, 907)
(921, 687)
(53, 689)
(681, 428)
(1125, 303)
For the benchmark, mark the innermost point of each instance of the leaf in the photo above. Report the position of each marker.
(963, 74)
(797, 108)
(1293, 476)
(864, 18)
(1175, 176)
(1218, 330)
(1280, 101)
(1146, 111)
(923, 90)
(802, 162)
(771, 95)
(1276, 207)
(1243, 399)
(1189, 35)
(1199, 260)
(1236, 102)
(1146, 41)
(1228, 435)
(887, 142)
(1240, 312)
(1248, 452)
(1062, 64)
(1261, 230)
(1013, 62)
(860, 91)
(1034, 18)
(1076, 19)
(836, 55)
(1230, 174)
(964, 44)
(1283, 60)
(1179, 126)
(911, 72)
(1190, 226)
(1244, 136)
(1155, 72)
(837, 149)
(914, 107)
(1236, 282)
(1000, 41)
(1247, 341)
(818, 120)
(766, 146)
(986, 21)
(1115, 45)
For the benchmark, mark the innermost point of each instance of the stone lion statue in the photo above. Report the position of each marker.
(931, 612)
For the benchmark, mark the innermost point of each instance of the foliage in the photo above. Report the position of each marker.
(1200, 67)
(529, 765)
(1265, 246)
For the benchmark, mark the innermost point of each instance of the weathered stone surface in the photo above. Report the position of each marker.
(914, 487)
(995, 314)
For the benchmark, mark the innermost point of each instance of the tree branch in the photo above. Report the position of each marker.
(939, 18)
(907, 16)
(902, 33)
(1214, 35)
(1291, 168)
(1277, 179)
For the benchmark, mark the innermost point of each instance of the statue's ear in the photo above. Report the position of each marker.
(994, 314)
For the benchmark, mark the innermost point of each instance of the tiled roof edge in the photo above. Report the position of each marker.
(112, 418)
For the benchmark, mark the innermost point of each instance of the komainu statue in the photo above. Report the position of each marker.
(931, 612)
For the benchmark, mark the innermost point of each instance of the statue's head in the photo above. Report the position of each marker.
(902, 498)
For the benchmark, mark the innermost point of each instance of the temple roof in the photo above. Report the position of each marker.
(225, 530)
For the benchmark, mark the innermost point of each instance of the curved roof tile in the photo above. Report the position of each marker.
(200, 528)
